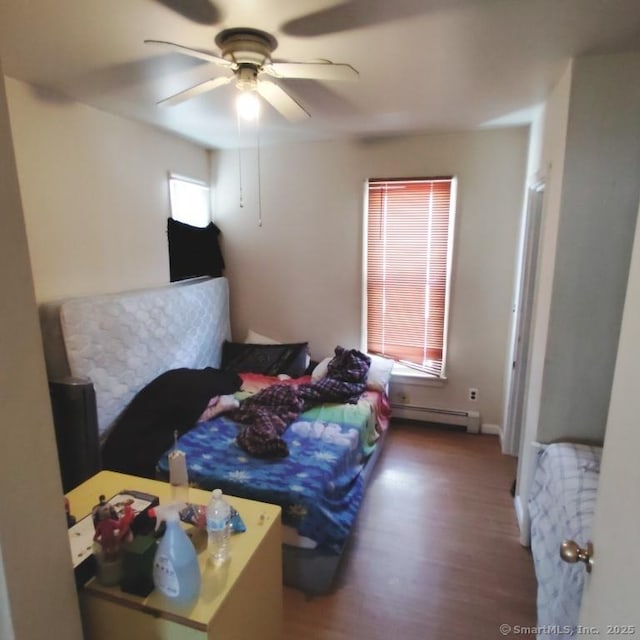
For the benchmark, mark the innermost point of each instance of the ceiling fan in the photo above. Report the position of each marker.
(340, 16)
(246, 53)
(198, 11)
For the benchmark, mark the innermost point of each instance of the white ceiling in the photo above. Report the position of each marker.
(424, 65)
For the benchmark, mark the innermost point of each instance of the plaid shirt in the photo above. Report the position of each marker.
(269, 412)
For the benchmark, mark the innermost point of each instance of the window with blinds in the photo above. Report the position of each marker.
(409, 231)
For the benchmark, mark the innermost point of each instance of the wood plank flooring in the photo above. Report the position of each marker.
(435, 551)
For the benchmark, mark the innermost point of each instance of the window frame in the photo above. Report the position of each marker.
(403, 367)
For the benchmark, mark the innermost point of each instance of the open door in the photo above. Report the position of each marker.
(610, 599)
(522, 321)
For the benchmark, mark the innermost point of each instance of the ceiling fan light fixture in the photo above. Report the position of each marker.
(246, 77)
(248, 105)
(247, 53)
(246, 46)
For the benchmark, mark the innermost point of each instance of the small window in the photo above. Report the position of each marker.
(408, 236)
(190, 202)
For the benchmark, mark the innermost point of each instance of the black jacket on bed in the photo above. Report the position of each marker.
(173, 401)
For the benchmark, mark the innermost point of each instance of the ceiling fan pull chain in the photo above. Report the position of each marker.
(259, 172)
(240, 163)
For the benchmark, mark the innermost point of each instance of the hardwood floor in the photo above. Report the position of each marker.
(435, 551)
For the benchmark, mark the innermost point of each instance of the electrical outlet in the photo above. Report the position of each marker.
(473, 394)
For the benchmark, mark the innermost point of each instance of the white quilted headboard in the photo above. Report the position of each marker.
(123, 341)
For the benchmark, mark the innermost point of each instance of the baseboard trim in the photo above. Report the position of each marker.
(491, 429)
(468, 419)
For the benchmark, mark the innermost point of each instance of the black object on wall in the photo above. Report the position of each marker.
(73, 403)
(193, 251)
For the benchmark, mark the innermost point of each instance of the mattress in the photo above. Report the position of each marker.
(122, 341)
(319, 485)
(561, 507)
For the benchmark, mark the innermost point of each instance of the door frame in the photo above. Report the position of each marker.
(522, 319)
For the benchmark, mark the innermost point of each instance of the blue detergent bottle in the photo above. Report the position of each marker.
(176, 573)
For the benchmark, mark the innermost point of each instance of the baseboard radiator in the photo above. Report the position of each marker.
(468, 419)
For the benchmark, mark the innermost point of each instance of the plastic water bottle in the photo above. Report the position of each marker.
(218, 527)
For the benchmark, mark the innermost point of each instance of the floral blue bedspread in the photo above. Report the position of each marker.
(319, 485)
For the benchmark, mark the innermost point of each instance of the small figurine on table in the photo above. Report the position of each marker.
(101, 506)
(107, 533)
(124, 524)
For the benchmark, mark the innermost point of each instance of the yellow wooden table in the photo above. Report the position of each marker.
(240, 600)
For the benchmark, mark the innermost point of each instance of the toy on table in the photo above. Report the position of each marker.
(111, 530)
(107, 531)
(124, 524)
(101, 507)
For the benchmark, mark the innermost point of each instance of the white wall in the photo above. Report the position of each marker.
(298, 277)
(598, 214)
(95, 194)
(591, 154)
(37, 589)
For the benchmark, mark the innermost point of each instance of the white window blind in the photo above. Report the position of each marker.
(408, 256)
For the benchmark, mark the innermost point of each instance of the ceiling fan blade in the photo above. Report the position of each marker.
(281, 101)
(356, 14)
(195, 53)
(192, 92)
(199, 11)
(312, 70)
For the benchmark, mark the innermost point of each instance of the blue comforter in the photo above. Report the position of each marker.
(319, 485)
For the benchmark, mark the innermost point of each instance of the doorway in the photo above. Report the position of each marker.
(522, 310)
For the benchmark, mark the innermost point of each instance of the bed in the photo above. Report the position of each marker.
(561, 507)
(123, 342)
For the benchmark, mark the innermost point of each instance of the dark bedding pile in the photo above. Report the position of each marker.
(173, 401)
(266, 415)
(177, 398)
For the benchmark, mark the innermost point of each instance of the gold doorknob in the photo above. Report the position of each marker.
(572, 552)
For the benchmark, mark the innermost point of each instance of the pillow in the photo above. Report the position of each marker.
(257, 338)
(379, 373)
(320, 371)
(377, 377)
(266, 359)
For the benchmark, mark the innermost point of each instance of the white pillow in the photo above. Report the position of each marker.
(379, 373)
(377, 376)
(320, 370)
(256, 338)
